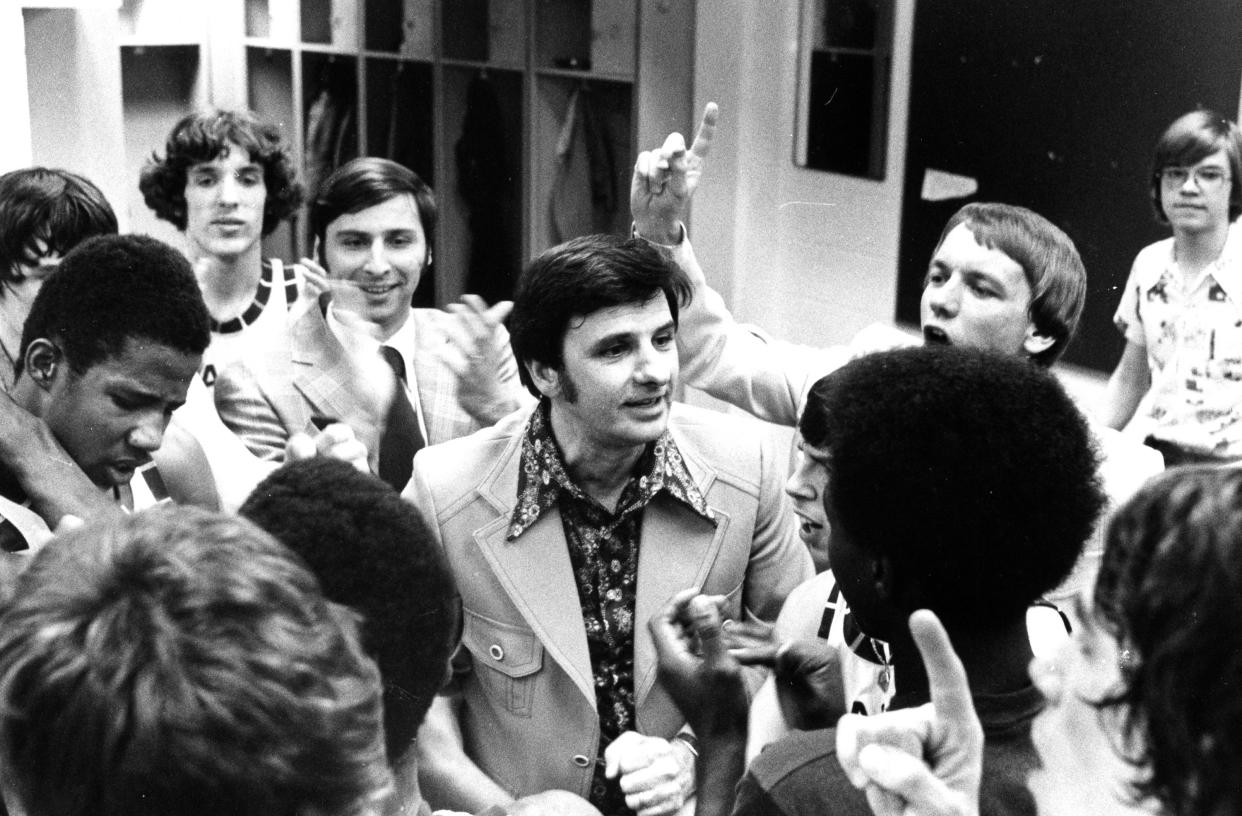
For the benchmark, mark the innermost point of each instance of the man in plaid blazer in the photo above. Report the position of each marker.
(374, 222)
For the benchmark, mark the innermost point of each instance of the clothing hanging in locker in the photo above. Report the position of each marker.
(584, 194)
(486, 181)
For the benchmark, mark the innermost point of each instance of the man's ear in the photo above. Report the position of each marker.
(883, 578)
(42, 361)
(1036, 342)
(546, 378)
(317, 253)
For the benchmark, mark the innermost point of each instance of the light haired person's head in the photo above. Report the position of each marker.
(1053, 268)
(178, 662)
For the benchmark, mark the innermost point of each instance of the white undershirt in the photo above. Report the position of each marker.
(403, 341)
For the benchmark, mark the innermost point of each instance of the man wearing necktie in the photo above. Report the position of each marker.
(374, 225)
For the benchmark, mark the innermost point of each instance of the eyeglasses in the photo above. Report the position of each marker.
(1206, 178)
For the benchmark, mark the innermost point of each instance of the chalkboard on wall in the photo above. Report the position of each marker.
(1057, 106)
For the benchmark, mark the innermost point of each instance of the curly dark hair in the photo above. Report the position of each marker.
(373, 552)
(578, 278)
(203, 137)
(113, 287)
(1170, 591)
(974, 473)
(55, 206)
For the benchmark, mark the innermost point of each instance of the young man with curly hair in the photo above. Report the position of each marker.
(226, 180)
(184, 663)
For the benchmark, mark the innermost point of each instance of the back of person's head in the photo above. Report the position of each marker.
(365, 182)
(1189, 140)
(52, 206)
(206, 136)
(372, 552)
(1170, 591)
(178, 662)
(111, 288)
(1048, 257)
(972, 473)
(579, 277)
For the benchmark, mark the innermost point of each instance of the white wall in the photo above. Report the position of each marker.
(809, 255)
(15, 138)
(73, 81)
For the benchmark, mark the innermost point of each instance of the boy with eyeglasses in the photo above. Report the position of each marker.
(1181, 311)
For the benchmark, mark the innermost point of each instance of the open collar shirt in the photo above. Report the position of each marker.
(603, 551)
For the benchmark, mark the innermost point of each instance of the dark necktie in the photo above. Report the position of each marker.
(402, 438)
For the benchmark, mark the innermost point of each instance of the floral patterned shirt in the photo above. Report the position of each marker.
(603, 551)
(1192, 332)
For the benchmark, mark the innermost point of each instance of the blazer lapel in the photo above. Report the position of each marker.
(677, 551)
(322, 374)
(536, 574)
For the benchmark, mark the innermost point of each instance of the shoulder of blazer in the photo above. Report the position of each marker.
(733, 447)
(460, 467)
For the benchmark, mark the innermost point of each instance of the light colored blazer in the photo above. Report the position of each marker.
(267, 400)
(528, 716)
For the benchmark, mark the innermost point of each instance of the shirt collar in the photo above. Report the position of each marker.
(1224, 271)
(1221, 271)
(542, 476)
(402, 340)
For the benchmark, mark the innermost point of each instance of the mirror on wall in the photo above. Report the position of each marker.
(844, 61)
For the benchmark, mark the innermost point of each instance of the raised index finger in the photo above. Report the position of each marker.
(707, 131)
(946, 676)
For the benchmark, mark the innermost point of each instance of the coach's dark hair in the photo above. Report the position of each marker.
(579, 277)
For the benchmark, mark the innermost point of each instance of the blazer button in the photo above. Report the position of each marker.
(496, 652)
(581, 761)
